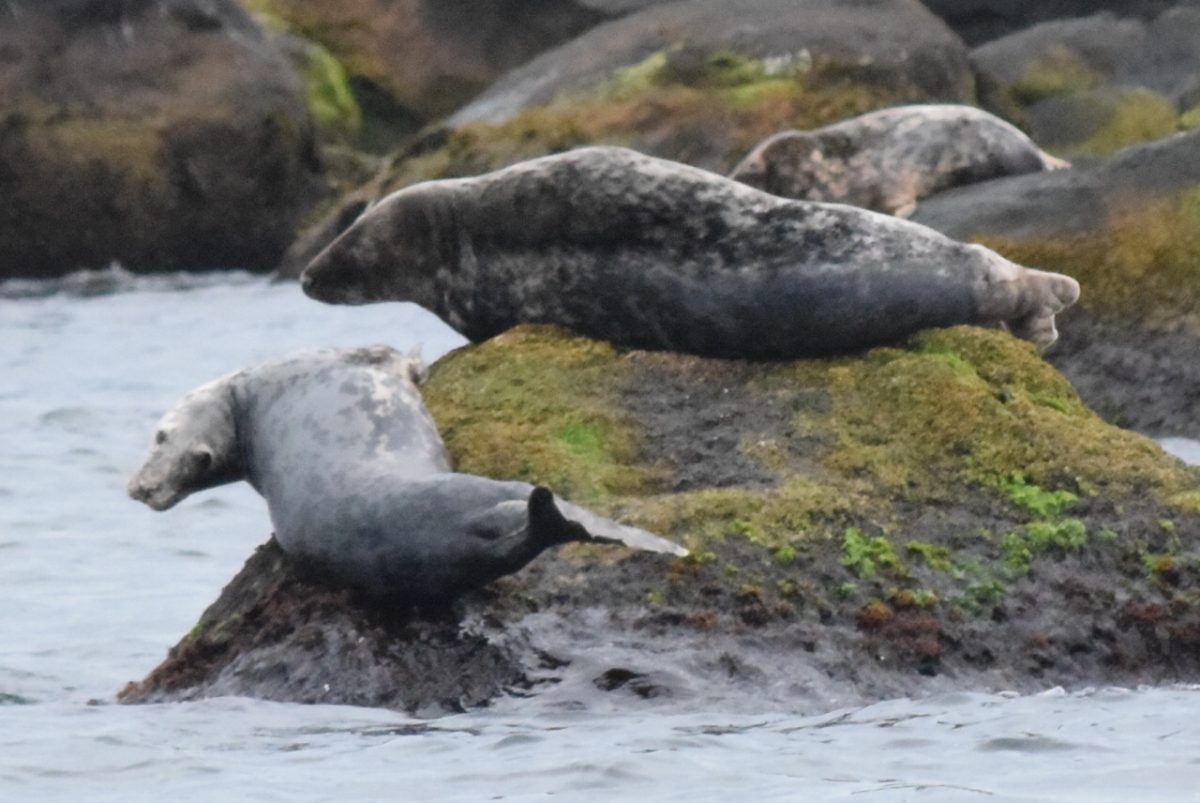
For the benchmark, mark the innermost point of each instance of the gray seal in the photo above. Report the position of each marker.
(357, 479)
(889, 160)
(649, 253)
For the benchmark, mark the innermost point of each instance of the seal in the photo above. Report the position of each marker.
(356, 477)
(653, 254)
(889, 160)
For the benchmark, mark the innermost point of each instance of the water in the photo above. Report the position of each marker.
(95, 588)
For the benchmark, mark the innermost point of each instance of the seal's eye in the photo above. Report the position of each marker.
(160, 437)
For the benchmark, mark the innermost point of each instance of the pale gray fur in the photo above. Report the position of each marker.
(356, 477)
(650, 253)
(889, 160)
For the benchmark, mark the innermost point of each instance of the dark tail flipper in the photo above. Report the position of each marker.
(548, 526)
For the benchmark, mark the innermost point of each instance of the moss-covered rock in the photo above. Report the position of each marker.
(413, 61)
(944, 507)
(1126, 228)
(896, 42)
(167, 136)
(1091, 86)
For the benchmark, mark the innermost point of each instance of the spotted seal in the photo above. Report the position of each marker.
(357, 479)
(649, 253)
(889, 160)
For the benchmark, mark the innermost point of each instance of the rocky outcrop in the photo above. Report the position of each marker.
(1129, 230)
(163, 135)
(893, 41)
(414, 61)
(943, 514)
(1094, 85)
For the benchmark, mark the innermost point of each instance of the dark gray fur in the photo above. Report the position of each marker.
(653, 254)
(356, 477)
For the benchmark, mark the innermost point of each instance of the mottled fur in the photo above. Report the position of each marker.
(889, 160)
(653, 254)
(356, 476)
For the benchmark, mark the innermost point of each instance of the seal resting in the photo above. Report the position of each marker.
(890, 159)
(357, 479)
(649, 253)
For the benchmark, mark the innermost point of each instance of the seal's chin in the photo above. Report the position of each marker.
(155, 498)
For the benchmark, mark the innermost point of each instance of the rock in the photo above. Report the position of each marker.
(413, 61)
(1128, 229)
(896, 41)
(939, 515)
(983, 20)
(163, 135)
(1094, 85)
(683, 82)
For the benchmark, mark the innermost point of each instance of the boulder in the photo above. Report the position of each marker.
(896, 41)
(1128, 229)
(163, 135)
(1091, 86)
(943, 514)
(413, 61)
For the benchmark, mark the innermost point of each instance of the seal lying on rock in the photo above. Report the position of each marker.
(356, 477)
(890, 159)
(649, 253)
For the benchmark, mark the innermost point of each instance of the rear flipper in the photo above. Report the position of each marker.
(1043, 295)
(606, 530)
(548, 526)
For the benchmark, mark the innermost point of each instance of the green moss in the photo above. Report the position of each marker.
(1158, 566)
(1143, 266)
(935, 557)
(1058, 72)
(1036, 500)
(330, 99)
(1187, 502)
(1021, 547)
(550, 394)
(863, 556)
(1133, 116)
(1190, 119)
(785, 555)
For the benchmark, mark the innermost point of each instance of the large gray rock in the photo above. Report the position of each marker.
(895, 40)
(1060, 202)
(1095, 84)
(164, 134)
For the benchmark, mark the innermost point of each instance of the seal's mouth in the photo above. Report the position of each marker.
(154, 497)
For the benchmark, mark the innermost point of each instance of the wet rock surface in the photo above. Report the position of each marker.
(172, 135)
(943, 515)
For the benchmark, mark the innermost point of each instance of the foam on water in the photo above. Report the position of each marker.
(94, 589)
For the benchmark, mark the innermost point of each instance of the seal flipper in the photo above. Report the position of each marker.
(549, 527)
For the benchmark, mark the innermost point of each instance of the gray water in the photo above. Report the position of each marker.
(94, 588)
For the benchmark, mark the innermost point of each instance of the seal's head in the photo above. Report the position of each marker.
(780, 164)
(380, 257)
(194, 447)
